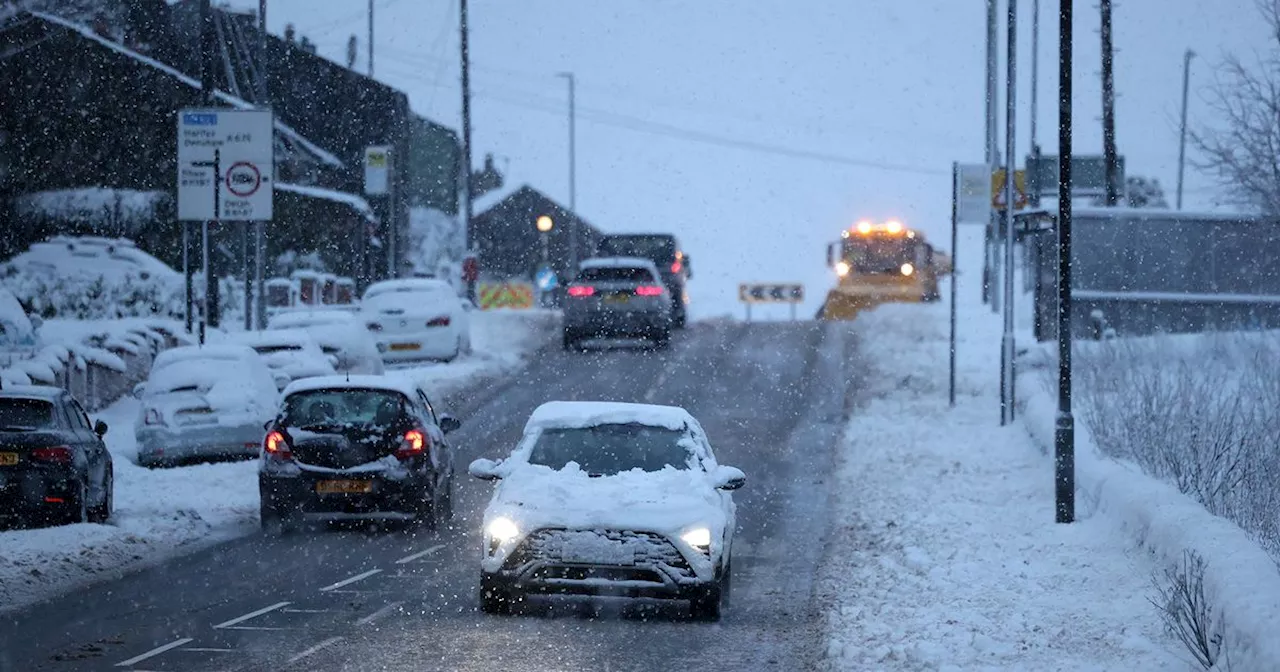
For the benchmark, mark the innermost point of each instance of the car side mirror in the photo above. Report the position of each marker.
(139, 390)
(100, 428)
(728, 478)
(282, 379)
(448, 424)
(484, 469)
(266, 426)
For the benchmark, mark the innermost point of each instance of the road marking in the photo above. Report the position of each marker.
(252, 614)
(305, 611)
(155, 652)
(346, 582)
(257, 627)
(419, 554)
(205, 649)
(317, 647)
(653, 391)
(378, 614)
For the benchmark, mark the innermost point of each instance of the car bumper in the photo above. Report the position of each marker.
(299, 494)
(213, 441)
(418, 346)
(29, 490)
(616, 323)
(597, 581)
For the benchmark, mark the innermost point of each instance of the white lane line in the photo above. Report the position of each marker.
(653, 391)
(378, 614)
(155, 652)
(257, 627)
(206, 649)
(252, 614)
(305, 611)
(419, 554)
(317, 647)
(346, 582)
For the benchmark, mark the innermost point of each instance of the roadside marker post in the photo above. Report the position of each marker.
(789, 293)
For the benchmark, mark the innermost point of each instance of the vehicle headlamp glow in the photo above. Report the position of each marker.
(842, 268)
(698, 537)
(908, 269)
(503, 529)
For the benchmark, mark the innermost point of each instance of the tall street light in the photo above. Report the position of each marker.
(544, 225)
(1064, 435)
(1182, 134)
(573, 187)
(469, 263)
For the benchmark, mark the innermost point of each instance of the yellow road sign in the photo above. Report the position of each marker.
(1019, 189)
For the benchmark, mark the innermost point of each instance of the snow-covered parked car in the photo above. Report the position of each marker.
(339, 333)
(200, 402)
(609, 499)
(291, 354)
(416, 319)
(356, 446)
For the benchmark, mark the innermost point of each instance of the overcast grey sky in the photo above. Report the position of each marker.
(875, 82)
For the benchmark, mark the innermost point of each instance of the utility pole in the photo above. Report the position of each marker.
(208, 48)
(573, 196)
(259, 228)
(1064, 460)
(1182, 133)
(1010, 132)
(1032, 184)
(1109, 110)
(466, 143)
(370, 39)
(991, 154)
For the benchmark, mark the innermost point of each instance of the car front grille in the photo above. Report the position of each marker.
(622, 548)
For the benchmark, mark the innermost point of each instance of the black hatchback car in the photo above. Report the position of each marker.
(357, 447)
(54, 467)
(664, 251)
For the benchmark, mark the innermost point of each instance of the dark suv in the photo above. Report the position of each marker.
(664, 251)
(54, 467)
(356, 447)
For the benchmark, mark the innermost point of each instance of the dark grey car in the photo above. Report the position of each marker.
(617, 297)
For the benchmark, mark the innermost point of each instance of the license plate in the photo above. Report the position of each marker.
(617, 298)
(8, 459)
(406, 346)
(601, 554)
(344, 487)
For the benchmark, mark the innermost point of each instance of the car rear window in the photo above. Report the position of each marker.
(25, 414)
(280, 347)
(615, 274)
(343, 407)
(610, 449)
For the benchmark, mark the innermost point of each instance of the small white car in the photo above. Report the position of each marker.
(416, 319)
(609, 499)
(339, 333)
(291, 352)
(202, 402)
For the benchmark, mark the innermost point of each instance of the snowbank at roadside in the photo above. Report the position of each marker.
(501, 340)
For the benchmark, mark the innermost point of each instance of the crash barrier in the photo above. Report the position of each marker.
(517, 295)
(99, 370)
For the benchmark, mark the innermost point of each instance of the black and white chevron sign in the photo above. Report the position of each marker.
(748, 293)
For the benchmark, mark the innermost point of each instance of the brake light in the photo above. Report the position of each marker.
(153, 417)
(438, 322)
(676, 266)
(55, 454)
(276, 446)
(648, 290)
(581, 291)
(413, 443)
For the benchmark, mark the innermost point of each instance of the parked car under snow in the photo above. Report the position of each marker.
(203, 402)
(609, 499)
(291, 354)
(339, 333)
(416, 319)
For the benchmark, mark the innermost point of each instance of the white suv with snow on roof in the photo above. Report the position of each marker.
(609, 499)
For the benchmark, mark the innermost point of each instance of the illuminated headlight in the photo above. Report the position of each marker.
(699, 538)
(908, 269)
(503, 530)
(842, 268)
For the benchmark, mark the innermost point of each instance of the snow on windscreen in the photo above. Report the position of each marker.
(18, 413)
(191, 375)
(607, 450)
(565, 414)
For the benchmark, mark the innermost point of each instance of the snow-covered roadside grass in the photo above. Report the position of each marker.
(162, 513)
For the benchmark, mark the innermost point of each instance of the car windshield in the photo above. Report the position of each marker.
(878, 255)
(343, 408)
(615, 274)
(605, 450)
(25, 414)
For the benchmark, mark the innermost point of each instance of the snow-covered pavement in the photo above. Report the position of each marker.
(944, 553)
(163, 512)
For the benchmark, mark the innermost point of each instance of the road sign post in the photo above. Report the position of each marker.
(790, 293)
(378, 182)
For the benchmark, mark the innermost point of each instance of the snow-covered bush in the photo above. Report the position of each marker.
(89, 298)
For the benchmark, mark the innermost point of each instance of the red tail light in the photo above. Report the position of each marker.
(648, 290)
(581, 291)
(414, 443)
(676, 266)
(276, 446)
(153, 417)
(55, 454)
(438, 321)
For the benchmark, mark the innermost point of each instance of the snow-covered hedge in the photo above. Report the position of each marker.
(83, 297)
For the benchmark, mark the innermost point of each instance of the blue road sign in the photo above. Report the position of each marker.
(546, 279)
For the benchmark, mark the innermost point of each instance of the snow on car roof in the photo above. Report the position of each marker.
(389, 383)
(44, 392)
(407, 285)
(617, 262)
(309, 318)
(190, 352)
(592, 413)
(271, 337)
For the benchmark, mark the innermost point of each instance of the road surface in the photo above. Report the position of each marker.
(771, 397)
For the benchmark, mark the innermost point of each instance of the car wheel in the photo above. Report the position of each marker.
(276, 523)
(102, 512)
(678, 318)
(446, 501)
(493, 598)
(705, 605)
(76, 509)
(570, 340)
(662, 340)
(425, 515)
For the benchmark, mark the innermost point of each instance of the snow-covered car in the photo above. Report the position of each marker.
(609, 499)
(207, 401)
(339, 333)
(290, 352)
(416, 319)
(356, 446)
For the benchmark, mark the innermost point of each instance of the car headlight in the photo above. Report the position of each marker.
(699, 538)
(842, 268)
(907, 269)
(503, 530)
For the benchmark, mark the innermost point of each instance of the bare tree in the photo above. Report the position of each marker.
(1242, 150)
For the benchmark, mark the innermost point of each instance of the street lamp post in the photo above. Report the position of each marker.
(1064, 438)
(573, 186)
(544, 225)
(1182, 134)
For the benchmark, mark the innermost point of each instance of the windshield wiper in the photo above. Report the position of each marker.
(16, 428)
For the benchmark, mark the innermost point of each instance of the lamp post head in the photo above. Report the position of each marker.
(544, 223)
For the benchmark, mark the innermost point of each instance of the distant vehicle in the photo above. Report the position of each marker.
(417, 319)
(54, 467)
(338, 333)
(291, 352)
(617, 297)
(881, 263)
(363, 446)
(609, 499)
(664, 251)
(204, 402)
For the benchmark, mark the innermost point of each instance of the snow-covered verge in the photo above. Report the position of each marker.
(1174, 398)
(163, 513)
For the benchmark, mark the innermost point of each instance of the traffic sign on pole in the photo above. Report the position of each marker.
(243, 183)
(973, 193)
(377, 166)
(1019, 186)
